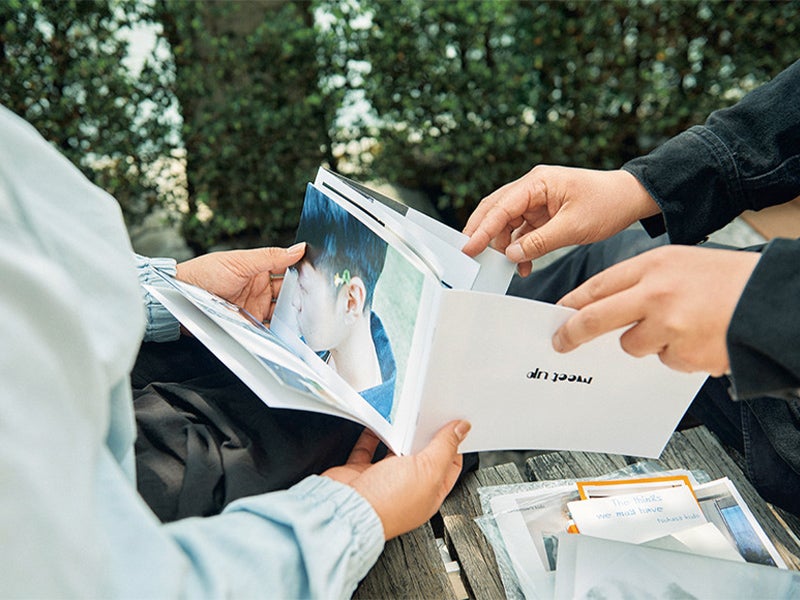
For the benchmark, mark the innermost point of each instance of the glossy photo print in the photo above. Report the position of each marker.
(354, 301)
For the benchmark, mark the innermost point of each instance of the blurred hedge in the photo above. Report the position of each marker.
(255, 121)
(464, 94)
(469, 95)
(62, 68)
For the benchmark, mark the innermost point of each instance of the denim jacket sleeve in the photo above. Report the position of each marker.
(71, 522)
(161, 325)
(763, 344)
(744, 157)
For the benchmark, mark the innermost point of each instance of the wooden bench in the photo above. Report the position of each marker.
(412, 566)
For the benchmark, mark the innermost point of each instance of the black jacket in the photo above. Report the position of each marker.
(744, 157)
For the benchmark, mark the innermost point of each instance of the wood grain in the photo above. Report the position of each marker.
(464, 538)
(410, 567)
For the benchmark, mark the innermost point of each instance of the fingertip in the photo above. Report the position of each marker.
(461, 430)
(476, 244)
(469, 247)
(280, 258)
(447, 440)
(515, 253)
(558, 342)
(365, 446)
(371, 436)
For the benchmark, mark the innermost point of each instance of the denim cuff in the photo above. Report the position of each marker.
(762, 337)
(692, 179)
(348, 505)
(161, 325)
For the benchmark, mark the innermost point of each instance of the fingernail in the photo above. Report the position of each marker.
(296, 248)
(558, 344)
(514, 253)
(462, 429)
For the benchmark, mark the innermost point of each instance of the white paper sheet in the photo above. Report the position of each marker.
(637, 518)
(704, 539)
(595, 568)
(492, 362)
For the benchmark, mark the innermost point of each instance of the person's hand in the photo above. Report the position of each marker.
(551, 207)
(679, 299)
(405, 491)
(250, 279)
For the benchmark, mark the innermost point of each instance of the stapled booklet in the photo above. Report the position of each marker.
(387, 323)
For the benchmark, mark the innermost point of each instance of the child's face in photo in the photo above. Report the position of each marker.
(319, 315)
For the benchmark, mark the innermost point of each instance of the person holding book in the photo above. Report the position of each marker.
(336, 281)
(732, 314)
(73, 524)
(204, 438)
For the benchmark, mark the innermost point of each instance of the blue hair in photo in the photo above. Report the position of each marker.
(339, 244)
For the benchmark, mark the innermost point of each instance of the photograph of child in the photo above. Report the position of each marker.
(333, 299)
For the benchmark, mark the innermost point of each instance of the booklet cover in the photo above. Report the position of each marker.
(386, 322)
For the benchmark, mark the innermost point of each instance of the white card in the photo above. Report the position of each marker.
(638, 518)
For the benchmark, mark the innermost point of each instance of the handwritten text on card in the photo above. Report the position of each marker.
(637, 518)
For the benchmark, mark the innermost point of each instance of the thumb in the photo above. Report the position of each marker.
(443, 448)
(274, 259)
(535, 244)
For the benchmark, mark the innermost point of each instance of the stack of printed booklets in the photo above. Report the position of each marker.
(640, 532)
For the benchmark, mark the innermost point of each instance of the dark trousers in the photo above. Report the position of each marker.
(765, 431)
(204, 439)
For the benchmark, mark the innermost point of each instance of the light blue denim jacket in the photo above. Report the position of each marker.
(71, 522)
(161, 326)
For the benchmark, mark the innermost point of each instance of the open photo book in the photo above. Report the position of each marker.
(387, 323)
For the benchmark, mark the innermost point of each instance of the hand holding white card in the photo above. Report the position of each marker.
(385, 321)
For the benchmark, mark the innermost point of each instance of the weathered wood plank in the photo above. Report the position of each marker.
(410, 567)
(790, 522)
(464, 538)
(572, 465)
(697, 448)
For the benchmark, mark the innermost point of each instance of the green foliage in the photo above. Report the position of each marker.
(61, 68)
(255, 123)
(469, 94)
(465, 95)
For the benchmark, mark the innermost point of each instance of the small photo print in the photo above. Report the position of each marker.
(723, 506)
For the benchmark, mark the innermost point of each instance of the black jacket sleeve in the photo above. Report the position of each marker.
(764, 335)
(744, 157)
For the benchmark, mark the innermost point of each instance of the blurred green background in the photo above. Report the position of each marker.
(215, 114)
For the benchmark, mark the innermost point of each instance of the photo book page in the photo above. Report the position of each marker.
(350, 330)
(355, 307)
(386, 322)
